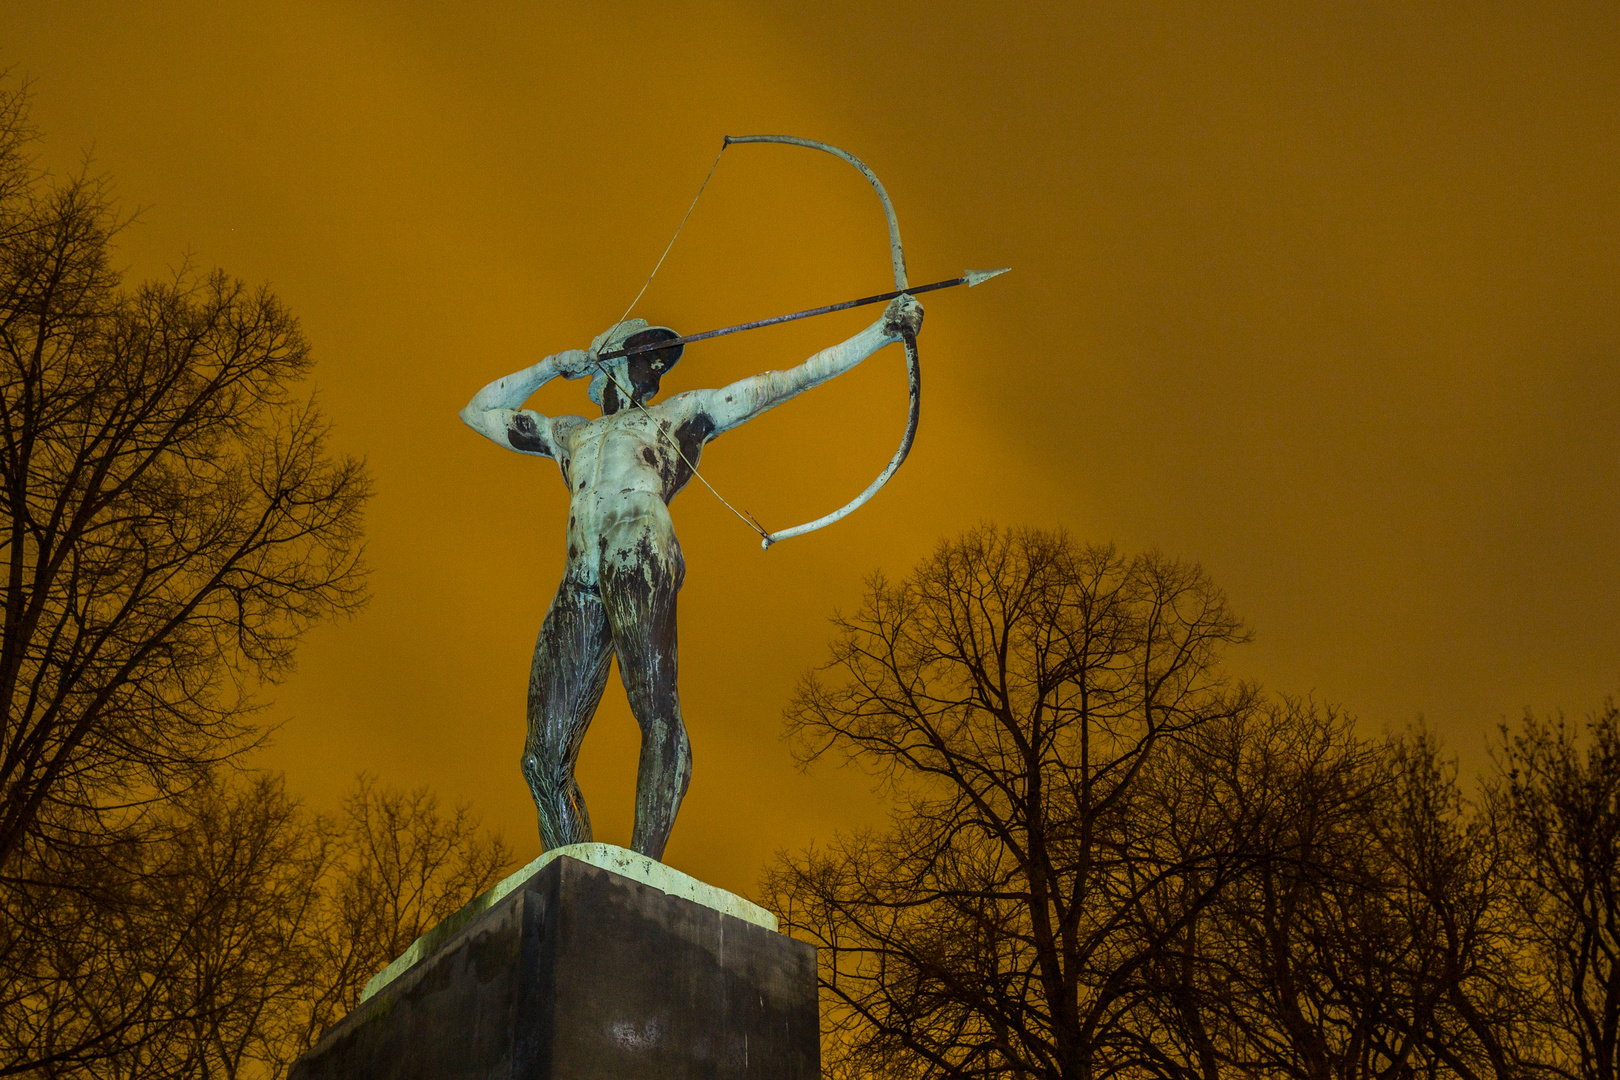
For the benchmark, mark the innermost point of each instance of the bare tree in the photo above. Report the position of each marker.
(1377, 938)
(236, 930)
(224, 943)
(1448, 863)
(1014, 694)
(170, 516)
(1226, 995)
(297, 914)
(171, 520)
(1383, 947)
(403, 866)
(173, 946)
(1104, 859)
(1559, 802)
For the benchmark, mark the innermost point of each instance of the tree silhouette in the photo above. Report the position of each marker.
(1107, 859)
(171, 520)
(235, 932)
(170, 517)
(1559, 803)
(1016, 693)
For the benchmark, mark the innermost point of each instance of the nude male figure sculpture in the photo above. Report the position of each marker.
(624, 569)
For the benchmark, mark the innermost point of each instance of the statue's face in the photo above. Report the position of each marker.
(640, 372)
(637, 376)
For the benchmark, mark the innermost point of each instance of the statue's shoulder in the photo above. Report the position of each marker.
(688, 414)
(684, 405)
(564, 428)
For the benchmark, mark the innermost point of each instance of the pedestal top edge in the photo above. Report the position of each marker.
(609, 857)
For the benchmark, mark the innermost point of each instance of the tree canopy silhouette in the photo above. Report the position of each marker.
(171, 520)
(1108, 859)
(1015, 692)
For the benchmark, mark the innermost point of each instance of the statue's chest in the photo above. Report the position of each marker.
(613, 446)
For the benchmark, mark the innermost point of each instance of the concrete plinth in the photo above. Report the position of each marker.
(580, 972)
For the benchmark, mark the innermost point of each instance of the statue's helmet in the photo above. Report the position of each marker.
(630, 334)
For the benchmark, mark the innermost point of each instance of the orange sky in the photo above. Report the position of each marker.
(1321, 295)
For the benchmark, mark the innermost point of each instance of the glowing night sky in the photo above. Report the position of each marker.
(1323, 296)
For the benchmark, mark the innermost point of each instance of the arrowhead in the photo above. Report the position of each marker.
(974, 277)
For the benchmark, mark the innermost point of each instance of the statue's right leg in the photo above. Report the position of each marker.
(570, 669)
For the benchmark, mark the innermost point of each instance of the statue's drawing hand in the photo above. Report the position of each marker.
(573, 364)
(903, 317)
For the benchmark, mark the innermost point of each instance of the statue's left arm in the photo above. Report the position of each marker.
(495, 412)
(745, 399)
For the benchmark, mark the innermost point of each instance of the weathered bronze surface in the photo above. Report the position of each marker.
(624, 567)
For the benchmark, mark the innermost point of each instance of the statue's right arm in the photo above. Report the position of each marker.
(495, 411)
(747, 398)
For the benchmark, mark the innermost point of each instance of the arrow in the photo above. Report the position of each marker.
(969, 278)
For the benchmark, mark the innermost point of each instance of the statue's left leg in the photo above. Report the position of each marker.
(640, 603)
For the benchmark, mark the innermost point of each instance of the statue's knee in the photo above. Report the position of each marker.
(683, 753)
(540, 779)
(670, 733)
(685, 768)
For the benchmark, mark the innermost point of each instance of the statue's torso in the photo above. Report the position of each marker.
(621, 471)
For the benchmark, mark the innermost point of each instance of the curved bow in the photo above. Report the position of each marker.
(913, 366)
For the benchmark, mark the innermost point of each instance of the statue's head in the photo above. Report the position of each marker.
(639, 373)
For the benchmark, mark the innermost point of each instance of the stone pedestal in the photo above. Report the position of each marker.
(577, 971)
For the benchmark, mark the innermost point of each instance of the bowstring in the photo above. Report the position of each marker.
(659, 264)
(742, 515)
